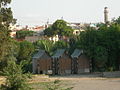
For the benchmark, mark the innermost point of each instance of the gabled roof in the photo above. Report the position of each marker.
(59, 53)
(39, 54)
(76, 53)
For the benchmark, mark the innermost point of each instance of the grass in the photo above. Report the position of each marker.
(52, 85)
(39, 85)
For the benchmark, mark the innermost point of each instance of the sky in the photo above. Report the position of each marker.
(38, 12)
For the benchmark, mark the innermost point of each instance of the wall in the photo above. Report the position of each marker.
(83, 64)
(65, 65)
(111, 74)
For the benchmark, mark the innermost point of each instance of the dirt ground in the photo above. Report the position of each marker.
(96, 84)
(79, 82)
(85, 82)
(92, 83)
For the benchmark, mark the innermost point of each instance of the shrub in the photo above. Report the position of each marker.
(15, 79)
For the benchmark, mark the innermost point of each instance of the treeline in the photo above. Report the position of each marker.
(102, 46)
(23, 33)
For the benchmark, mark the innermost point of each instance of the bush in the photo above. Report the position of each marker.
(15, 79)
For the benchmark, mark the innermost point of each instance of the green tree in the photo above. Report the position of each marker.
(6, 45)
(26, 50)
(102, 46)
(60, 45)
(46, 45)
(22, 34)
(116, 21)
(49, 32)
(15, 79)
(60, 28)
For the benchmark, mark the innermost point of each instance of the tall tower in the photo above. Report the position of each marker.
(106, 15)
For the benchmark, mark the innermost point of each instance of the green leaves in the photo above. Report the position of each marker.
(44, 45)
(23, 33)
(26, 51)
(6, 44)
(59, 28)
(15, 79)
(102, 46)
(49, 46)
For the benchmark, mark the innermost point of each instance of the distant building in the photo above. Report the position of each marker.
(54, 38)
(38, 29)
(32, 38)
(14, 29)
(77, 27)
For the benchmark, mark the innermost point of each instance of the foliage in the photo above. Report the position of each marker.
(59, 28)
(49, 46)
(6, 44)
(60, 45)
(23, 33)
(49, 32)
(46, 45)
(26, 51)
(15, 79)
(116, 21)
(102, 46)
(73, 43)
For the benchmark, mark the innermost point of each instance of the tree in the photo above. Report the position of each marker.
(49, 32)
(49, 46)
(26, 51)
(116, 21)
(60, 45)
(60, 28)
(15, 79)
(46, 45)
(6, 45)
(22, 34)
(102, 46)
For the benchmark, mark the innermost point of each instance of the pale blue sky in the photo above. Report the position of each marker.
(36, 12)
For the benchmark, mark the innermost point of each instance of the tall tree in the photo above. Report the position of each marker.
(26, 51)
(6, 18)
